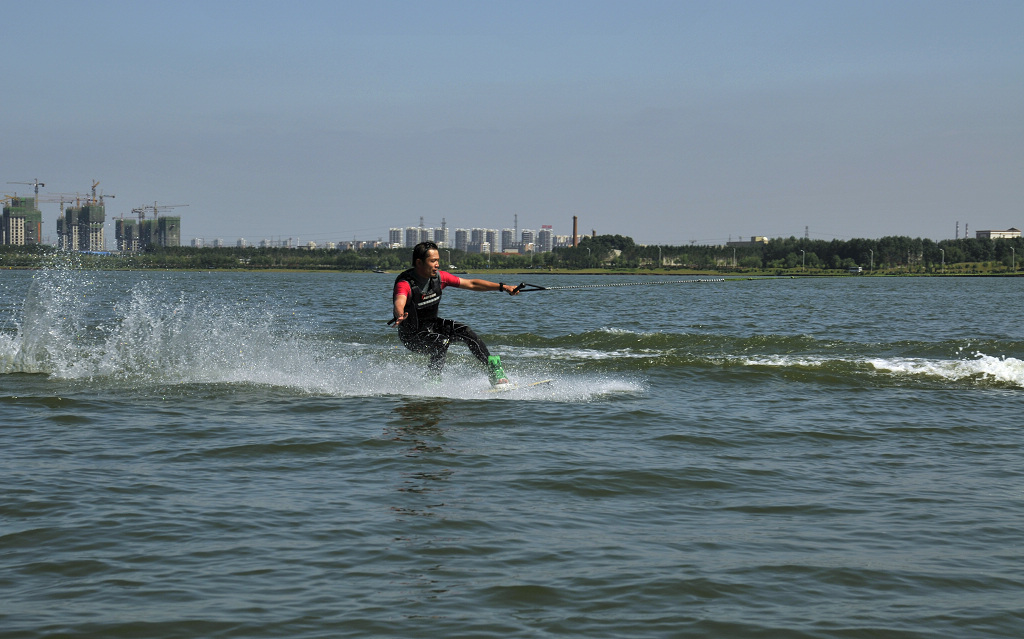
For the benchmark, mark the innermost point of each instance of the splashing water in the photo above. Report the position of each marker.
(986, 368)
(79, 325)
(67, 333)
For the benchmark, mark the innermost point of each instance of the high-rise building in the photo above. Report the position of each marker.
(492, 237)
(126, 235)
(462, 240)
(480, 240)
(147, 234)
(81, 228)
(545, 239)
(508, 240)
(412, 236)
(143, 235)
(476, 240)
(529, 237)
(22, 222)
(395, 237)
(168, 231)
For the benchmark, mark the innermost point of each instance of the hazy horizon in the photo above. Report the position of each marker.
(669, 122)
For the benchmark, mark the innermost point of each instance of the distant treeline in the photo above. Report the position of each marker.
(788, 253)
(604, 251)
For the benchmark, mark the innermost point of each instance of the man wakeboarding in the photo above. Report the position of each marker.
(417, 294)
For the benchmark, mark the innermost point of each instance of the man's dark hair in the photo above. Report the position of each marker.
(419, 252)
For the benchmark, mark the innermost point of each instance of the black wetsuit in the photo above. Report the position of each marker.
(424, 332)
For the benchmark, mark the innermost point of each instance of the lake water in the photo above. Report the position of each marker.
(255, 455)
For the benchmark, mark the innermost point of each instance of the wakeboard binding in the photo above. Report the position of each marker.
(496, 374)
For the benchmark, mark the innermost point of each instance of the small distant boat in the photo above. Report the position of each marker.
(379, 270)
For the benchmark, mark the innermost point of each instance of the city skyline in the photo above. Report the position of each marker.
(65, 239)
(118, 223)
(48, 200)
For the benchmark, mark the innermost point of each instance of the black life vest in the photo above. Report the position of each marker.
(423, 301)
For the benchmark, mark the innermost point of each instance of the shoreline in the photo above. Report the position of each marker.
(730, 274)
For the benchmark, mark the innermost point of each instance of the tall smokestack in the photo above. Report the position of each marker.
(575, 237)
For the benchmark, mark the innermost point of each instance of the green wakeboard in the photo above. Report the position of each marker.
(504, 388)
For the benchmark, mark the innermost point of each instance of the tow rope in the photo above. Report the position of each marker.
(526, 288)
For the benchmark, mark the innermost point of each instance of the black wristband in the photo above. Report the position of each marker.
(501, 287)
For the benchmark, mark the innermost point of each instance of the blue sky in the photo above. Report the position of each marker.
(670, 122)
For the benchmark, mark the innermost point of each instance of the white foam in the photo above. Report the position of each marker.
(621, 331)
(1007, 370)
(151, 338)
(980, 367)
(782, 361)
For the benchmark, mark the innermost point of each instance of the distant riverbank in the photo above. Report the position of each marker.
(611, 272)
(384, 261)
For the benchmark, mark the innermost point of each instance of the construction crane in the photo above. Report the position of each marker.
(57, 197)
(49, 198)
(35, 183)
(99, 199)
(156, 208)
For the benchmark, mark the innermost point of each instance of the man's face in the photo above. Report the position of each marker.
(429, 266)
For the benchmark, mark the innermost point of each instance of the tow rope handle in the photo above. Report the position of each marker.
(526, 288)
